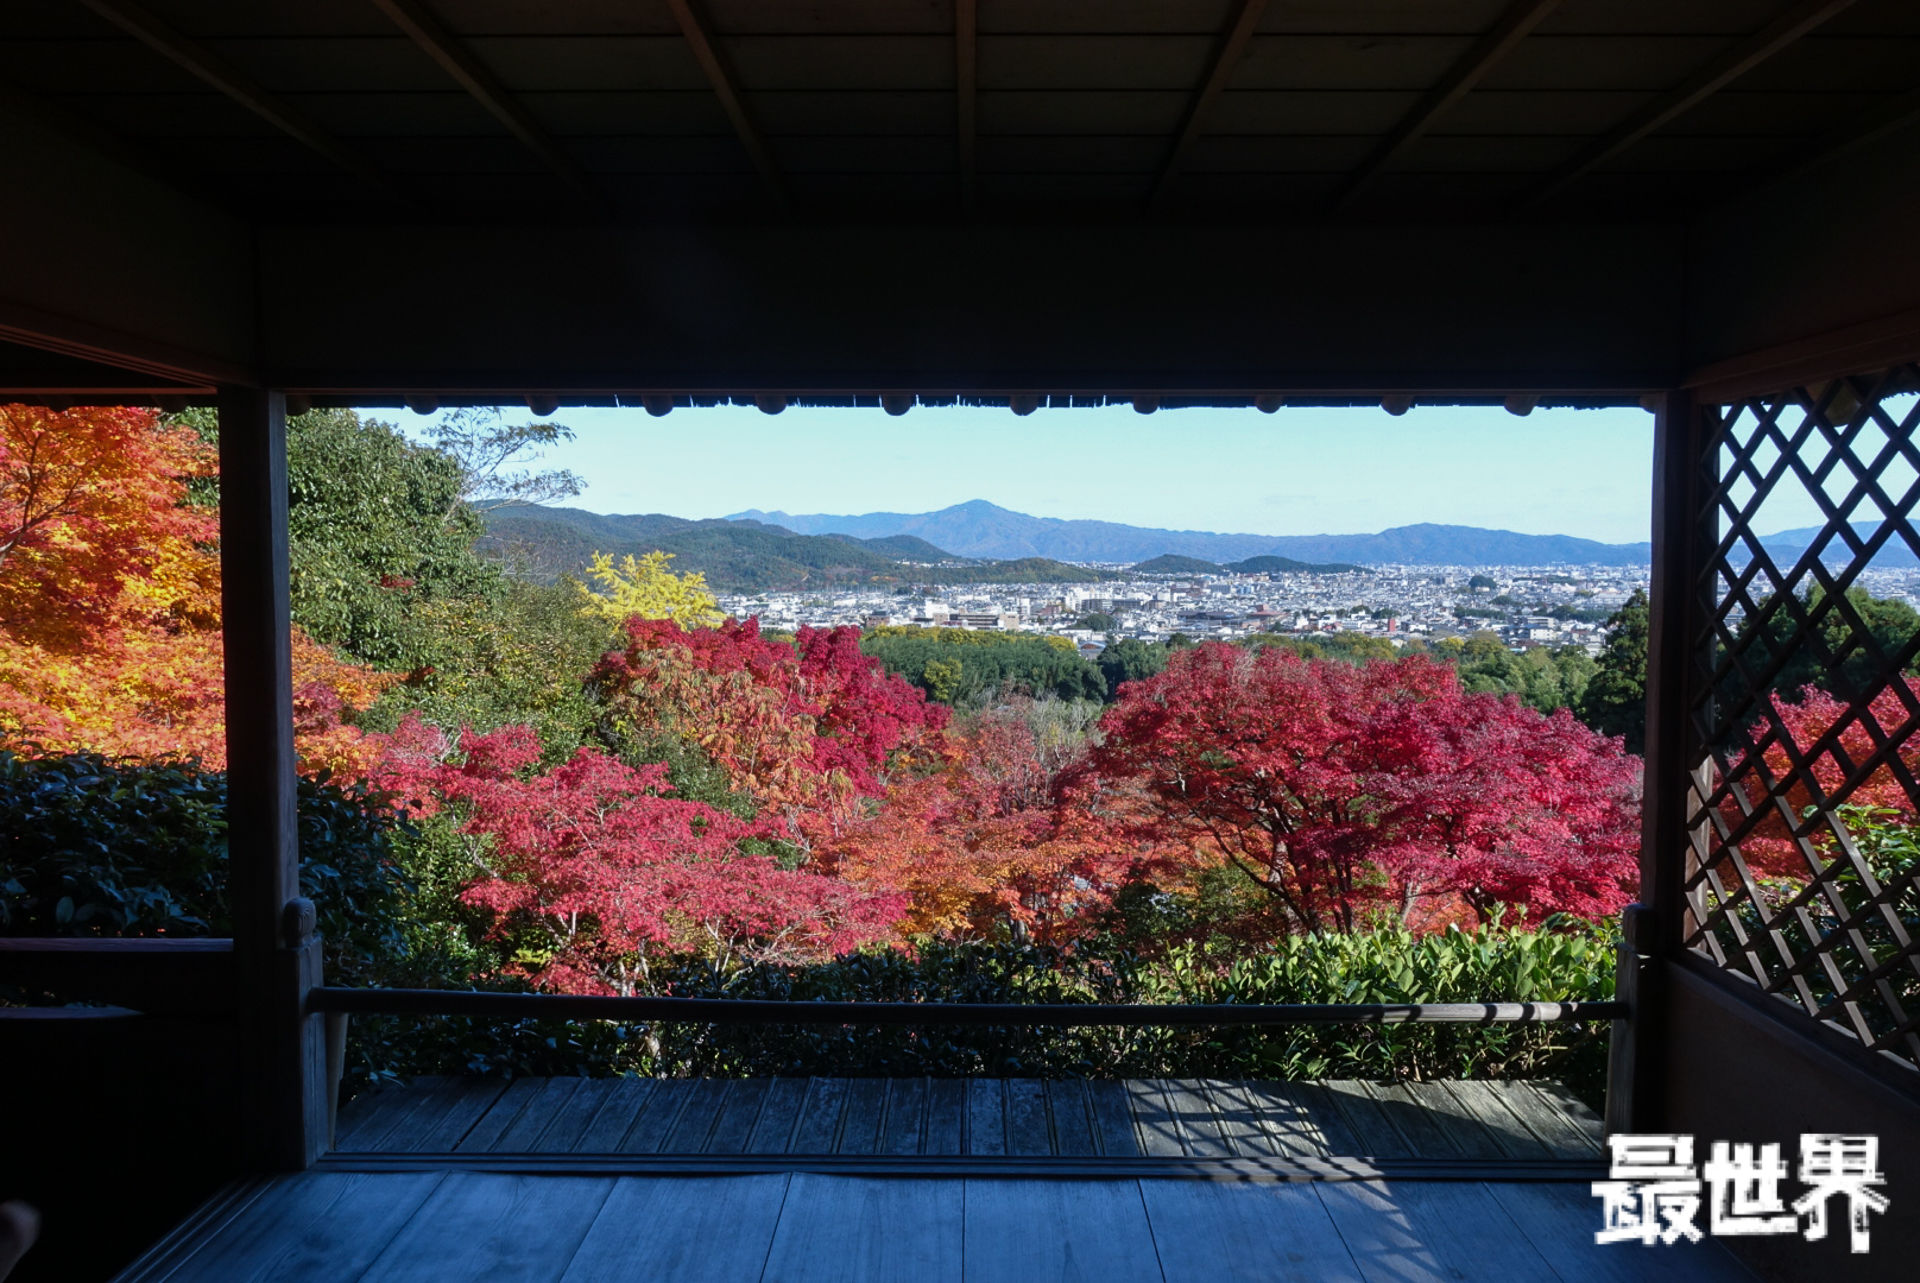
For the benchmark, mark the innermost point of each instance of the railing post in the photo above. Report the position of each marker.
(283, 1065)
(1655, 927)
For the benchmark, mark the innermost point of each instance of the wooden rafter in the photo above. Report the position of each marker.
(425, 30)
(1233, 47)
(966, 42)
(721, 79)
(1514, 26)
(1895, 114)
(208, 66)
(1796, 21)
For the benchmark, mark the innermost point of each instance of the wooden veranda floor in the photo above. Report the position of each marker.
(875, 1180)
(867, 1123)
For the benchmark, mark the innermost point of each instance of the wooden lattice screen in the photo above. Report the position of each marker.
(1800, 865)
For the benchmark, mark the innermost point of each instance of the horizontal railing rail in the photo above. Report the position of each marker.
(758, 1011)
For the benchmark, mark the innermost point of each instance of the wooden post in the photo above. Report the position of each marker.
(283, 1069)
(1654, 928)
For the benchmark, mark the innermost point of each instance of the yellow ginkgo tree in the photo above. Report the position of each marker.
(644, 586)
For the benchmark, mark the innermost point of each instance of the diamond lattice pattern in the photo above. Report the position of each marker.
(1804, 801)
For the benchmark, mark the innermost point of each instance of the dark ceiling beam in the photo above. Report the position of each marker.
(1232, 47)
(966, 43)
(1515, 25)
(454, 58)
(1792, 23)
(208, 66)
(1895, 114)
(721, 79)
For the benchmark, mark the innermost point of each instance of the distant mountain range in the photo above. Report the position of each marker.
(982, 529)
(981, 543)
(1173, 564)
(748, 556)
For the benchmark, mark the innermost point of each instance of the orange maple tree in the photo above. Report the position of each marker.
(110, 599)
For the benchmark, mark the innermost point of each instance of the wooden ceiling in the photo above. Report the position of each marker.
(516, 110)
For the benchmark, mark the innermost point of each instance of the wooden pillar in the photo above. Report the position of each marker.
(1654, 928)
(282, 1109)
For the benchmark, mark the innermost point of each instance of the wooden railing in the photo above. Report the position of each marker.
(755, 1011)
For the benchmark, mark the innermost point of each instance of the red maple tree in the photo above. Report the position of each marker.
(1341, 788)
(999, 830)
(805, 727)
(593, 860)
(1787, 743)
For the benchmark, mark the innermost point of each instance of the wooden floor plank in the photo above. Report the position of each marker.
(1366, 1119)
(501, 1114)
(1238, 1120)
(1152, 1118)
(573, 1118)
(1293, 1124)
(773, 1130)
(1020, 1231)
(866, 1110)
(1223, 1232)
(654, 1123)
(1028, 1131)
(1575, 1111)
(840, 1229)
(369, 1117)
(697, 1117)
(819, 1124)
(315, 1225)
(1113, 1125)
(1456, 1119)
(436, 1101)
(1487, 1102)
(1559, 1220)
(739, 1113)
(906, 1123)
(1191, 1105)
(1072, 1117)
(689, 1229)
(536, 1115)
(477, 1096)
(1429, 1232)
(946, 1117)
(1414, 1119)
(986, 1116)
(1547, 1121)
(616, 1114)
(488, 1225)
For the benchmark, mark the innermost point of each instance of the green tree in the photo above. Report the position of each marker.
(1615, 699)
(1130, 659)
(1834, 656)
(1099, 622)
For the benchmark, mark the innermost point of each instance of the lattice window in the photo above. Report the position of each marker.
(1804, 703)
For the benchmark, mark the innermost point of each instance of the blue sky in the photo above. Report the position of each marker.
(1299, 471)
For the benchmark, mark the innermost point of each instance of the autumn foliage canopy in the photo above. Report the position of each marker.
(853, 810)
(110, 598)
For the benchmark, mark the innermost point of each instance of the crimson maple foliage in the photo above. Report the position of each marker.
(1819, 719)
(996, 831)
(1339, 788)
(804, 727)
(607, 871)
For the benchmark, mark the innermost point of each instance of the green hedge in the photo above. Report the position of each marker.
(93, 847)
(90, 846)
